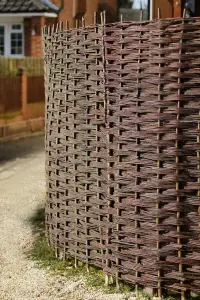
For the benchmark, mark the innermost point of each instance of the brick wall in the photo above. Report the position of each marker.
(91, 6)
(51, 21)
(67, 11)
(110, 6)
(33, 37)
(33, 34)
(32, 26)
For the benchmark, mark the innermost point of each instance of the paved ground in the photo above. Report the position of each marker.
(22, 192)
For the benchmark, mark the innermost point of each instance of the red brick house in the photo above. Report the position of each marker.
(20, 26)
(21, 20)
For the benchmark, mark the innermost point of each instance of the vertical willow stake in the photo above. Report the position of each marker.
(44, 30)
(52, 29)
(105, 105)
(57, 154)
(178, 198)
(198, 159)
(119, 119)
(159, 163)
(74, 147)
(87, 112)
(103, 22)
(54, 76)
(67, 139)
(98, 128)
(108, 263)
(111, 280)
(137, 167)
(67, 25)
(61, 26)
(48, 30)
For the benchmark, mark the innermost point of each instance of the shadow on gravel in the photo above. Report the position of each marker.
(40, 251)
(37, 220)
(44, 255)
(21, 148)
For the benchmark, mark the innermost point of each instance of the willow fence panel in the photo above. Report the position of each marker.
(122, 149)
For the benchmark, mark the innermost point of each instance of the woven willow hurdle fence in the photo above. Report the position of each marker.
(123, 149)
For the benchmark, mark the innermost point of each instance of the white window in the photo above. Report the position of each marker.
(16, 39)
(12, 40)
(130, 9)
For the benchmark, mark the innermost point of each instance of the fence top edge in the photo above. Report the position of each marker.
(60, 28)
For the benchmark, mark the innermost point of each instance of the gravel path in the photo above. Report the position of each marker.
(22, 190)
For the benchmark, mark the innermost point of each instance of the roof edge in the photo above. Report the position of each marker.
(31, 14)
(50, 5)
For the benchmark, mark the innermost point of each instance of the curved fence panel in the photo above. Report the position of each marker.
(123, 150)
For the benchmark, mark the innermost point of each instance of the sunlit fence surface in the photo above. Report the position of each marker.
(123, 149)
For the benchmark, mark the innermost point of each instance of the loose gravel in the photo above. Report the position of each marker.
(22, 190)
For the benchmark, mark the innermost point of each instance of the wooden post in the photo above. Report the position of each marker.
(24, 99)
(177, 8)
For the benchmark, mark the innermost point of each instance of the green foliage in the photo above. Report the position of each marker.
(44, 254)
(10, 115)
(11, 66)
(4, 68)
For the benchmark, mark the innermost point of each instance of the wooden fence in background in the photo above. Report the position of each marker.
(10, 66)
(10, 94)
(23, 78)
(35, 89)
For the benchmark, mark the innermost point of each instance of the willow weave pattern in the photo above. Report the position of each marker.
(123, 149)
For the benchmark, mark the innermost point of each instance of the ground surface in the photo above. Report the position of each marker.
(22, 191)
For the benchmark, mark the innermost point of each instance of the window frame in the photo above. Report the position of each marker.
(7, 39)
(4, 39)
(149, 9)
